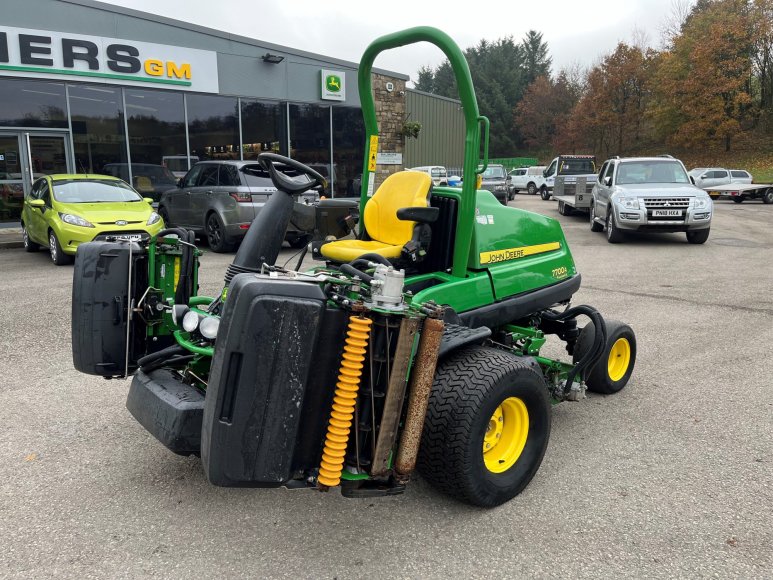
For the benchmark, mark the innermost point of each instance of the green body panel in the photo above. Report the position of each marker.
(508, 232)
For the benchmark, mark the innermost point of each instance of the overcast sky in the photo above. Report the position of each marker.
(577, 32)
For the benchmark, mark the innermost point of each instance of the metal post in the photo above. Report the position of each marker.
(126, 133)
(241, 137)
(187, 139)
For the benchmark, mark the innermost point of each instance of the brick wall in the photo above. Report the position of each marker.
(390, 112)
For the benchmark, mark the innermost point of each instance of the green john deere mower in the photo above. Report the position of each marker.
(415, 345)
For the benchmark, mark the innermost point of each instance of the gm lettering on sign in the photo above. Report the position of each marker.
(44, 54)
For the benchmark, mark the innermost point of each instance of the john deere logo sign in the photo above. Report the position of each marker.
(333, 87)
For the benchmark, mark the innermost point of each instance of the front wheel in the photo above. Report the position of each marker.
(216, 234)
(487, 426)
(544, 193)
(613, 369)
(768, 196)
(594, 225)
(698, 236)
(58, 256)
(614, 235)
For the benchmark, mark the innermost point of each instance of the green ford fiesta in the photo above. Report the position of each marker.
(63, 211)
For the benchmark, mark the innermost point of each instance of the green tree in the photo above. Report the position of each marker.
(535, 55)
(425, 80)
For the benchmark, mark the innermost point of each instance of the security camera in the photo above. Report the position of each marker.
(401, 93)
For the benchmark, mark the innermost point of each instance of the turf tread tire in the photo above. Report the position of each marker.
(466, 388)
(596, 378)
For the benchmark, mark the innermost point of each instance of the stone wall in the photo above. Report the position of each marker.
(390, 112)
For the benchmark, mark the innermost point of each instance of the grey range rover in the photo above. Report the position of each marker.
(649, 194)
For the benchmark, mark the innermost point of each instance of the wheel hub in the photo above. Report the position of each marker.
(619, 359)
(506, 435)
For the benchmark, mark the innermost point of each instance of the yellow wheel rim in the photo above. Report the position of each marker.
(619, 359)
(506, 434)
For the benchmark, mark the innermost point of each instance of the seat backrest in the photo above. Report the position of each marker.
(402, 189)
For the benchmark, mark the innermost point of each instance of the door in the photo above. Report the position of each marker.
(12, 178)
(201, 194)
(177, 203)
(604, 190)
(36, 218)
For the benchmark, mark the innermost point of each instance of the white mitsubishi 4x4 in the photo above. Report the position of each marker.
(649, 194)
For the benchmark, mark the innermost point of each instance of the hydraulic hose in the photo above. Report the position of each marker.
(599, 338)
(352, 271)
(163, 354)
(371, 257)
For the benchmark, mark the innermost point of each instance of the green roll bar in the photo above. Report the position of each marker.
(472, 120)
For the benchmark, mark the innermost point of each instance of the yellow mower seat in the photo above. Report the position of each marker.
(388, 234)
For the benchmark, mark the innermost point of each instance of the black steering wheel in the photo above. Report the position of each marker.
(287, 184)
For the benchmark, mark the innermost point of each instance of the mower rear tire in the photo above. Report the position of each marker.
(613, 369)
(487, 426)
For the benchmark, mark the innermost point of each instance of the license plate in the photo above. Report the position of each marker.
(666, 212)
(130, 237)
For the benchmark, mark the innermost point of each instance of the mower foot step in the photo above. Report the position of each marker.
(455, 335)
(365, 489)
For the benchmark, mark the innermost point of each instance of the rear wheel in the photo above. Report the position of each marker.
(613, 370)
(564, 209)
(544, 193)
(487, 426)
(594, 225)
(216, 234)
(738, 199)
(29, 245)
(698, 236)
(532, 188)
(614, 235)
(768, 196)
(58, 256)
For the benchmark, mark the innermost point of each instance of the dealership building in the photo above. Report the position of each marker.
(85, 85)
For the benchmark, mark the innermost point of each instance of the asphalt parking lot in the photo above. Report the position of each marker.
(673, 477)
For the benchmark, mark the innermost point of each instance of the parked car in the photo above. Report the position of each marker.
(649, 194)
(64, 211)
(494, 179)
(528, 179)
(178, 164)
(221, 198)
(706, 177)
(148, 179)
(438, 173)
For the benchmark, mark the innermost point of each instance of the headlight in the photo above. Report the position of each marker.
(154, 217)
(701, 203)
(178, 313)
(190, 321)
(75, 220)
(208, 327)
(628, 202)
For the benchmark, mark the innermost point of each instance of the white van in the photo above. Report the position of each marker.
(436, 172)
(527, 179)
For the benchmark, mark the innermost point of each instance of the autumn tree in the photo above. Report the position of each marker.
(703, 80)
(542, 114)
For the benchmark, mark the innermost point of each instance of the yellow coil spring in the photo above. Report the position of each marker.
(345, 398)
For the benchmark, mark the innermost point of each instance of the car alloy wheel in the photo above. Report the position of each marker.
(52, 246)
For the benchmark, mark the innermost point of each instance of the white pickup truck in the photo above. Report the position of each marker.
(569, 168)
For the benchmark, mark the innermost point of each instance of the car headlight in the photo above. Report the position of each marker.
(75, 220)
(154, 218)
(190, 321)
(701, 203)
(628, 202)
